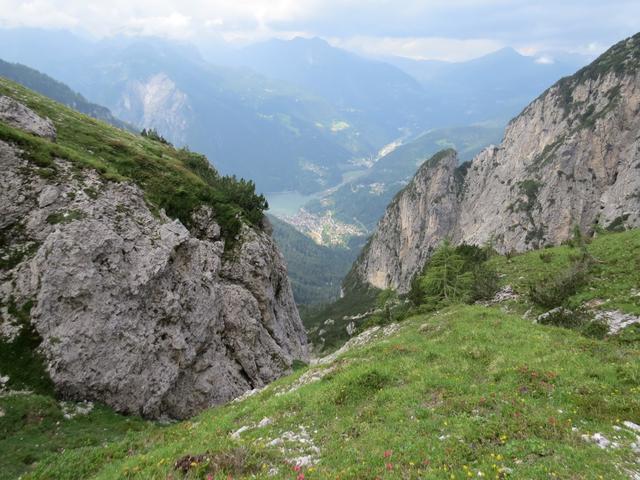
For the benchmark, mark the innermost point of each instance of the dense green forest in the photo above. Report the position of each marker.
(315, 271)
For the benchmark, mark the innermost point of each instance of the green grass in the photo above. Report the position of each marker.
(614, 277)
(463, 390)
(468, 389)
(33, 427)
(176, 180)
(613, 284)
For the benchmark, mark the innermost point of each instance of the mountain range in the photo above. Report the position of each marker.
(301, 106)
(58, 91)
(569, 161)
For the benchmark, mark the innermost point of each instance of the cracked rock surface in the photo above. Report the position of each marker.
(134, 309)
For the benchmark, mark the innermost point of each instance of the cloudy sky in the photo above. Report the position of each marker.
(433, 29)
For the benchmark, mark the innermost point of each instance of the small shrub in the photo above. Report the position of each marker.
(385, 297)
(91, 192)
(618, 224)
(362, 386)
(237, 461)
(446, 280)
(546, 257)
(65, 217)
(563, 317)
(580, 320)
(153, 134)
(594, 329)
(552, 292)
(12, 258)
(486, 282)
(455, 275)
(46, 173)
(298, 365)
(577, 240)
(629, 335)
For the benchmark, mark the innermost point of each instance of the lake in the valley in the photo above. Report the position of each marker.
(286, 204)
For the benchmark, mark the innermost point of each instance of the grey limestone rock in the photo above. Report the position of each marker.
(572, 158)
(18, 115)
(135, 310)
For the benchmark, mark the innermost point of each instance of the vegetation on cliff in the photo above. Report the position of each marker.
(176, 180)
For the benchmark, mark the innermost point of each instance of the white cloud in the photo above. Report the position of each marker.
(420, 48)
(35, 13)
(140, 16)
(439, 29)
(174, 25)
(545, 60)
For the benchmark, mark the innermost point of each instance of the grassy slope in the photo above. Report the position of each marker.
(33, 426)
(615, 278)
(176, 180)
(466, 389)
(614, 283)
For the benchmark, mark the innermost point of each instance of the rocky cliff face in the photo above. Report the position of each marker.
(417, 219)
(157, 103)
(134, 309)
(571, 158)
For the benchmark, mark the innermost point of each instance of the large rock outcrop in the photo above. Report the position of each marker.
(572, 158)
(134, 309)
(17, 115)
(417, 219)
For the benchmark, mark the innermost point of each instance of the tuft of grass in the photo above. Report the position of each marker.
(65, 217)
(555, 290)
(13, 256)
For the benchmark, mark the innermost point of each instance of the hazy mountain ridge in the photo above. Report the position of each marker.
(494, 87)
(366, 88)
(58, 91)
(247, 124)
(364, 200)
(321, 109)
